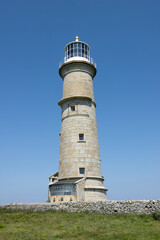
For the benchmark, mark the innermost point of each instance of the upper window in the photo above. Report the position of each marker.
(73, 108)
(81, 170)
(81, 136)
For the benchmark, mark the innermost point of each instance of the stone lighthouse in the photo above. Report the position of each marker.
(79, 177)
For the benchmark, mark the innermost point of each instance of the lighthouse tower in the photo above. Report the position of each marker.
(79, 177)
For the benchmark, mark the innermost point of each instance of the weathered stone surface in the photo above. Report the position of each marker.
(108, 207)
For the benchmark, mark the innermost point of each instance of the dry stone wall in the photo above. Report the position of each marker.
(139, 207)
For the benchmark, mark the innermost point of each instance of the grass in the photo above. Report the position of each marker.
(27, 225)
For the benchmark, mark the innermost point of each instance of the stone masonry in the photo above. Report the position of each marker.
(108, 207)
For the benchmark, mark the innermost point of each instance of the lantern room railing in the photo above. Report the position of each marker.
(65, 60)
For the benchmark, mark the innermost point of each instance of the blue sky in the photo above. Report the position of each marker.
(124, 37)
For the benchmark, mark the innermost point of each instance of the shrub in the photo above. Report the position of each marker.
(1, 225)
(156, 216)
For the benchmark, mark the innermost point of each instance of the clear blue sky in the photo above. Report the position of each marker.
(124, 37)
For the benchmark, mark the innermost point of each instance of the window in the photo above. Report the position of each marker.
(81, 170)
(73, 108)
(71, 199)
(61, 189)
(61, 198)
(67, 193)
(54, 199)
(81, 137)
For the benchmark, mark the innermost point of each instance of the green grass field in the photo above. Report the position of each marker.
(26, 225)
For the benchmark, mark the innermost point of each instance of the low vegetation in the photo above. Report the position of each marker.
(27, 225)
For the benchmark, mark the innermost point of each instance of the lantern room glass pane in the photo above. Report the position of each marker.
(77, 49)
